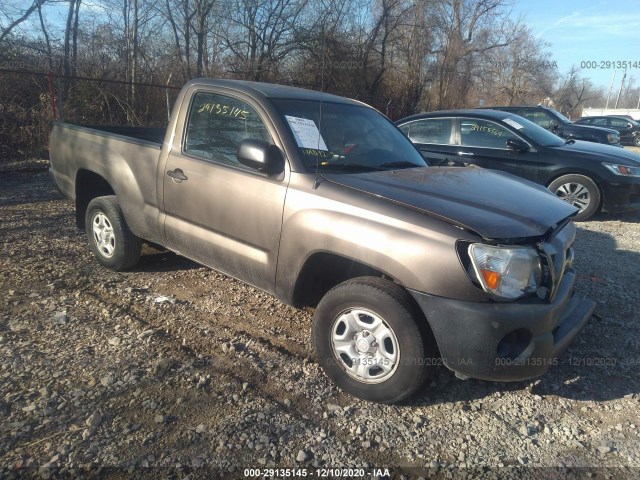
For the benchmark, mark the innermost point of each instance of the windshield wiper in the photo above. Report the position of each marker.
(400, 164)
(348, 166)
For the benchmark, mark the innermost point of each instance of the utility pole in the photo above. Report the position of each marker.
(610, 88)
(620, 91)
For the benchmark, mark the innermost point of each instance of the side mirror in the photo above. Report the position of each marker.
(553, 125)
(517, 145)
(261, 156)
(629, 125)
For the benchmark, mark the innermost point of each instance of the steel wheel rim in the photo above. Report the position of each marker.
(364, 345)
(574, 193)
(103, 235)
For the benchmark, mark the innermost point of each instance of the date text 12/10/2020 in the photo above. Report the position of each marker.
(319, 472)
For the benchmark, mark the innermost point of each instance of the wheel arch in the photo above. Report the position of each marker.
(89, 185)
(323, 270)
(595, 179)
(578, 171)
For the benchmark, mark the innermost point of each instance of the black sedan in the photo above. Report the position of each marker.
(590, 176)
(629, 129)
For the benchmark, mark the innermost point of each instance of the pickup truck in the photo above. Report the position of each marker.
(321, 201)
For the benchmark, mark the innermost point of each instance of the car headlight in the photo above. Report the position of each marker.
(625, 170)
(506, 272)
(613, 138)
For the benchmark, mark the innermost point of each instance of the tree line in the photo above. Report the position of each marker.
(112, 59)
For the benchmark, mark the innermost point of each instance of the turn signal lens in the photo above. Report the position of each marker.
(491, 279)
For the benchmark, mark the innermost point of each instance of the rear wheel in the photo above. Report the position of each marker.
(580, 191)
(108, 234)
(371, 341)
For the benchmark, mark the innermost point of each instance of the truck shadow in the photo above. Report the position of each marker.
(603, 363)
(157, 260)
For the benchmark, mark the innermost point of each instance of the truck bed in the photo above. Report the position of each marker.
(147, 134)
(126, 158)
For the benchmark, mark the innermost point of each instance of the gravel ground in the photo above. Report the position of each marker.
(174, 370)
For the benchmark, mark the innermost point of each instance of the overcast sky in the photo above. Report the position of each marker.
(593, 31)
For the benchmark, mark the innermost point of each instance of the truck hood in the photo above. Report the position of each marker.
(495, 205)
(600, 152)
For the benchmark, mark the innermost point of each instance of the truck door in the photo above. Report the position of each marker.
(216, 210)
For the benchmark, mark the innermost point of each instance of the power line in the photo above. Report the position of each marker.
(75, 77)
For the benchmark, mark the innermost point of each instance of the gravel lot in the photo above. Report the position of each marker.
(174, 370)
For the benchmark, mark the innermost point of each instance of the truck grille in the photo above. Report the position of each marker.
(557, 257)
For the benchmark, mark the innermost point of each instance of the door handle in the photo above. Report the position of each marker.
(177, 175)
(468, 154)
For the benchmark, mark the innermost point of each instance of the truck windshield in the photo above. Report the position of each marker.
(346, 138)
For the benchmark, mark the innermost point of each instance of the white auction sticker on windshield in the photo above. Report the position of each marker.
(513, 123)
(306, 133)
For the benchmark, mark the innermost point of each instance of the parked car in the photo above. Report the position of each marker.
(321, 201)
(629, 129)
(592, 177)
(557, 123)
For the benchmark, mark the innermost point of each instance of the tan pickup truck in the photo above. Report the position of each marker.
(322, 201)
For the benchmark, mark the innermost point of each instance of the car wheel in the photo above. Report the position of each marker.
(580, 191)
(108, 234)
(636, 140)
(372, 341)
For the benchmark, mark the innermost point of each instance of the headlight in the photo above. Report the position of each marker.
(625, 170)
(507, 272)
(613, 138)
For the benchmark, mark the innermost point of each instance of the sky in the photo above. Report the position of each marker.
(587, 34)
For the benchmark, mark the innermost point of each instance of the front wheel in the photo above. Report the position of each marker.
(108, 234)
(371, 341)
(580, 191)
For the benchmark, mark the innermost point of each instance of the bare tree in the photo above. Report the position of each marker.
(70, 52)
(468, 29)
(15, 16)
(520, 72)
(412, 60)
(573, 91)
(261, 35)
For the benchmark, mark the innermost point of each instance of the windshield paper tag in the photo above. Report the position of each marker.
(513, 123)
(306, 133)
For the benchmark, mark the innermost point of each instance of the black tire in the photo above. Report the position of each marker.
(579, 191)
(108, 234)
(393, 306)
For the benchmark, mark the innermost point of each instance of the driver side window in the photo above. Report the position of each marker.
(216, 126)
(484, 134)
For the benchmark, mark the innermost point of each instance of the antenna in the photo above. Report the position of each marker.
(316, 182)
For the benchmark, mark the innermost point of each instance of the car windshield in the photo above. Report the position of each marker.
(559, 116)
(346, 138)
(534, 132)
